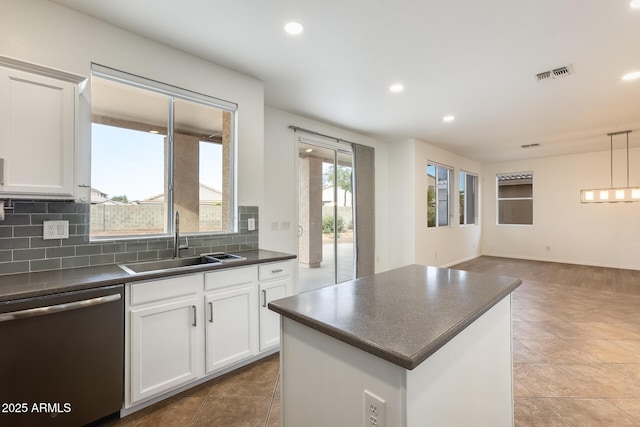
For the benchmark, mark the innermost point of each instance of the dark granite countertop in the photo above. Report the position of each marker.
(403, 315)
(28, 285)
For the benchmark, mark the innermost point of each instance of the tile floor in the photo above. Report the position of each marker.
(576, 341)
(247, 397)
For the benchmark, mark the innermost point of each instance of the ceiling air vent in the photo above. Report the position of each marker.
(561, 72)
(544, 76)
(555, 73)
(530, 145)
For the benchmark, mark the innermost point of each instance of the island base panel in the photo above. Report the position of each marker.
(468, 381)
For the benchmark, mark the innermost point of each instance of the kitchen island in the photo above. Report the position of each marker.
(410, 347)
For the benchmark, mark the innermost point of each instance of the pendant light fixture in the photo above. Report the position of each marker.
(611, 194)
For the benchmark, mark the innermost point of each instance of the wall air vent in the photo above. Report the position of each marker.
(555, 73)
(530, 145)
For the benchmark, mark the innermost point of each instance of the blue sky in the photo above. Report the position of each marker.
(131, 163)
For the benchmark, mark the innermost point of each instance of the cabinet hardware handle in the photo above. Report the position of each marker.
(195, 322)
(210, 312)
(277, 271)
(264, 298)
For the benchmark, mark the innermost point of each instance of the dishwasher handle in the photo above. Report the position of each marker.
(51, 309)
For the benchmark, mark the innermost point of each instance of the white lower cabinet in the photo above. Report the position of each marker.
(184, 328)
(164, 339)
(275, 283)
(231, 304)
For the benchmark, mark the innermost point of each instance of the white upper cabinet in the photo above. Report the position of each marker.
(38, 131)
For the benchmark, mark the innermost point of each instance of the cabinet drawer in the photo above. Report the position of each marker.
(157, 290)
(274, 270)
(230, 277)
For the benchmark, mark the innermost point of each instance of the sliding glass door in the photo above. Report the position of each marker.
(326, 214)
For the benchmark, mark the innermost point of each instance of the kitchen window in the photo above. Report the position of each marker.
(515, 198)
(468, 188)
(156, 150)
(438, 192)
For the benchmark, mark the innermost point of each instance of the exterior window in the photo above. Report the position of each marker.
(468, 187)
(438, 200)
(157, 150)
(515, 198)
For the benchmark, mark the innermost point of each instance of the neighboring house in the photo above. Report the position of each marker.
(98, 197)
(208, 196)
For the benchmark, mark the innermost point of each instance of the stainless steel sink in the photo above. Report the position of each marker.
(169, 264)
(224, 257)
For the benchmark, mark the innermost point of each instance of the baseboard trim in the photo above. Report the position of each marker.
(469, 258)
(562, 261)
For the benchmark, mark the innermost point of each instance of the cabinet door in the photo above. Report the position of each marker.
(37, 135)
(164, 347)
(270, 320)
(231, 325)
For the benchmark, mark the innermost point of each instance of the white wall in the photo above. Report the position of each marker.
(48, 34)
(280, 181)
(565, 230)
(402, 202)
(414, 242)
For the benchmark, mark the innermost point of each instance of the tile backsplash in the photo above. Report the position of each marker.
(22, 248)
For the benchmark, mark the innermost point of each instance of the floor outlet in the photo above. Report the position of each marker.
(375, 410)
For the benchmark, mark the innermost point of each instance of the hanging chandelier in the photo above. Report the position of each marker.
(611, 194)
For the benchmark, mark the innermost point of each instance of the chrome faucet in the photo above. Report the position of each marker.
(176, 238)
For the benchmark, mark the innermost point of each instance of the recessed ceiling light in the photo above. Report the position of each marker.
(153, 131)
(396, 87)
(635, 4)
(448, 119)
(294, 28)
(631, 76)
(308, 150)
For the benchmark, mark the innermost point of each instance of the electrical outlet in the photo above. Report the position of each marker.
(251, 224)
(375, 410)
(55, 230)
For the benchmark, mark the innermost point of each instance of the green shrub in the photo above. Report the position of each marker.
(327, 224)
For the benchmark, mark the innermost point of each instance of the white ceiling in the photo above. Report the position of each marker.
(474, 59)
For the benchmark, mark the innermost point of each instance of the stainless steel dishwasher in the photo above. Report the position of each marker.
(61, 358)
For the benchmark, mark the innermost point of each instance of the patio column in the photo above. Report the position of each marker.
(310, 220)
(226, 167)
(186, 181)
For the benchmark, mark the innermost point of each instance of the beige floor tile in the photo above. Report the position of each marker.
(633, 345)
(605, 379)
(255, 380)
(520, 390)
(536, 413)
(558, 351)
(551, 380)
(608, 351)
(630, 406)
(591, 412)
(274, 414)
(233, 411)
(523, 354)
(523, 330)
(610, 331)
